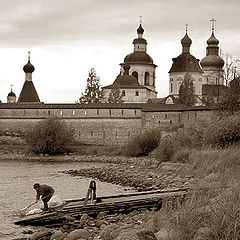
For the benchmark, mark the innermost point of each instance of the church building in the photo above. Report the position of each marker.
(184, 64)
(212, 65)
(28, 93)
(136, 80)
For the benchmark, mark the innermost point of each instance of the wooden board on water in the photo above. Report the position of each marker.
(117, 203)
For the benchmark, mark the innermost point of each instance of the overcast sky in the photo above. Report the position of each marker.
(69, 37)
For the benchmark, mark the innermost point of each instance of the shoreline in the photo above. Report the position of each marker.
(142, 174)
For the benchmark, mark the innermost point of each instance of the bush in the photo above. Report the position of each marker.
(224, 132)
(166, 149)
(50, 136)
(143, 144)
(182, 155)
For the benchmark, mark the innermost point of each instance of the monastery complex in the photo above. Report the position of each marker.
(108, 123)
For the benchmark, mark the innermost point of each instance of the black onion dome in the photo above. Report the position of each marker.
(140, 29)
(138, 57)
(185, 63)
(28, 68)
(11, 94)
(186, 41)
(212, 40)
(212, 61)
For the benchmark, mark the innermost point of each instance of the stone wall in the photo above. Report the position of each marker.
(102, 124)
(89, 131)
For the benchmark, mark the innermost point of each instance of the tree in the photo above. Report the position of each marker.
(115, 96)
(231, 100)
(50, 136)
(93, 92)
(186, 91)
(231, 67)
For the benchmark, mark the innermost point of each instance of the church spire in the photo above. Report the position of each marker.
(140, 44)
(140, 29)
(212, 48)
(28, 93)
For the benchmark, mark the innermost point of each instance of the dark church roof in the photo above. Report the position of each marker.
(138, 57)
(185, 63)
(28, 93)
(126, 79)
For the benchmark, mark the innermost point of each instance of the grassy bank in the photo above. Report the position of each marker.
(212, 209)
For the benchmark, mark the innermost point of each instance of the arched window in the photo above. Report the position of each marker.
(146, 79)
(179, 85)
(135, 74)
(171, 87)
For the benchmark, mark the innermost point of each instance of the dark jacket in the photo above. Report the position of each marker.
(44, 191)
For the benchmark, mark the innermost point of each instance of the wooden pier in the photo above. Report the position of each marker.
(123, 203)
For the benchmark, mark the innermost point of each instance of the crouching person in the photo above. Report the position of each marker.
(45, 191)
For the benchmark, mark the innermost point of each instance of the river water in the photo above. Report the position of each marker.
(16, 188)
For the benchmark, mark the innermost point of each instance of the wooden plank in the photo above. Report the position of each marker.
(123, 202)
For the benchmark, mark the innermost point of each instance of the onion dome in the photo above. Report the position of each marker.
(28, 68)
(212, 40)
(11, 94)
(138, 57)
(186, 41)
(126, 79)
(212, 61)
(140, 29)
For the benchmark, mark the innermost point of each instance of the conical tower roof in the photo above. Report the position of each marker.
(28, 93)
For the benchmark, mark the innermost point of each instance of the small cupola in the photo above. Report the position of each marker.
(140, 31)
(11, 98)
(186, 42)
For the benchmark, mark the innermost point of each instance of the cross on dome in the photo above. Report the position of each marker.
(29, 56)
(213, 21)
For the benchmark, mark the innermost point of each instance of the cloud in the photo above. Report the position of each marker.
(52, 22)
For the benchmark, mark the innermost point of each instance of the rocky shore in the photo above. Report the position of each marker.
(140, 173)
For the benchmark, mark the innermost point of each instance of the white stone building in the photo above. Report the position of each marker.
(136, 81)
(184, 64)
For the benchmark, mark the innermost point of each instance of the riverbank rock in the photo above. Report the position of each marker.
(105, 233)
(40, 235)
(78, 234)
(58, 235)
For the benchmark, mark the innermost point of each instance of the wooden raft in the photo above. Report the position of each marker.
(109, 204)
